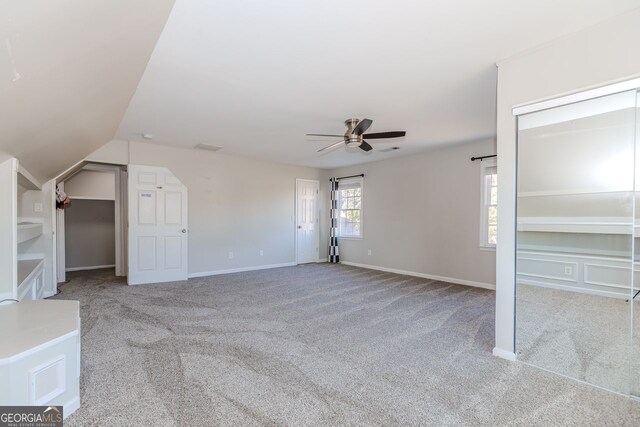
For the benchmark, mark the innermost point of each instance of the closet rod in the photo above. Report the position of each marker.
(473, 159)
(351, 176)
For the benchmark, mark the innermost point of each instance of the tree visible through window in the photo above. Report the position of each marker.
(350, 208)
(489, 205)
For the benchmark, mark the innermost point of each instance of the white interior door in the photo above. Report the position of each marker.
(157, 226)
(307, 230)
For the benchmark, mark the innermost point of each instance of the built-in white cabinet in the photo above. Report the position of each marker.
(22, 239)
(40, 354)
(39, 339)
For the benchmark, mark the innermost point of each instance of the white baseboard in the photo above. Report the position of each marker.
(498, 352)
(239, 270)
(92, 267)
(71, 406)
(424, 275)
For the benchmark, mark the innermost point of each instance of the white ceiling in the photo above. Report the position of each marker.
(255, 76)
(68, 69)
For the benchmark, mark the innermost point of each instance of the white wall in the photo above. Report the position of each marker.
(236, 205)
(89, 184)
(421, 214)
(115, 152)
(592, 57)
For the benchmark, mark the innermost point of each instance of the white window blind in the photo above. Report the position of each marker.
(489, 204)
(350, 208)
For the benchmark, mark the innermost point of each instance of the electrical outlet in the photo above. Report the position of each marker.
(230, 255)
(37, 207)
(369, 252)
(261, 252)
(568, 271)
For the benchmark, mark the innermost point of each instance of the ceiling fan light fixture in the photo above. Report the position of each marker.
(355, 135)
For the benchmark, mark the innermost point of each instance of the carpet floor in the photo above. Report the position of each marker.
(311, 345)
(579, 335)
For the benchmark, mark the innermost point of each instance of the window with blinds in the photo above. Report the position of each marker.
(350, 208)
(489, 204)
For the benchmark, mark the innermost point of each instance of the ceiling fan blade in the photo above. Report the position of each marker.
(322, 134)
(329, 147)
(363, 125)
(381, 135)
(365, 146)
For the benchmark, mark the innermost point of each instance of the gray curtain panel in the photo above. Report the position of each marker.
(334, 251)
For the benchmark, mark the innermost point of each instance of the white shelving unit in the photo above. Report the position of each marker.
(21, 234)
(28, 231)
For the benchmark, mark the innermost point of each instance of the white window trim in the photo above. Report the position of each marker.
(361, 181)
(484, 244)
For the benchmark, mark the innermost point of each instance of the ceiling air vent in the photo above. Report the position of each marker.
(207, 147)
(386, 150)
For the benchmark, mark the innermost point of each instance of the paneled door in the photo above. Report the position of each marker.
(307, 230)
(157, 226)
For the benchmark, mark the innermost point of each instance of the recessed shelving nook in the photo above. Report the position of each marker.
(21, 254)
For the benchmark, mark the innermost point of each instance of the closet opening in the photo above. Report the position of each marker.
(91, 228)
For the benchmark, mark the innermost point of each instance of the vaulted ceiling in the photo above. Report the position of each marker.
(255, 76)
(68, 69)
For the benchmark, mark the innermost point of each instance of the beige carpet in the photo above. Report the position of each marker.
(311, 345)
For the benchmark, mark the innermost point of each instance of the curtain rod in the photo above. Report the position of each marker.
(473, 159)
(351, 176)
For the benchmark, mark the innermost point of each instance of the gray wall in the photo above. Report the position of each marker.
(90, 233)
(236, 205)
(244, 205)
(421, 214)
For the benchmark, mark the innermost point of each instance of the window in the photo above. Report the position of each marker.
(350, 208)
(489, 204)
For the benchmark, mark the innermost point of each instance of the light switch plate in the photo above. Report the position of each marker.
(37, 207)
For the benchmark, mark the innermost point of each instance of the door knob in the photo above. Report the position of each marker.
(184, 230)
(299, 226)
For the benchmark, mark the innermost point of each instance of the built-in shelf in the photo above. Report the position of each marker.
(574, 192)
(27, 181)
(24, 207)
(109, 199)
(576, 225)
(28, 231)
(27, 268)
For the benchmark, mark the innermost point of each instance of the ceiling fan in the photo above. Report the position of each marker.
(355, 135)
